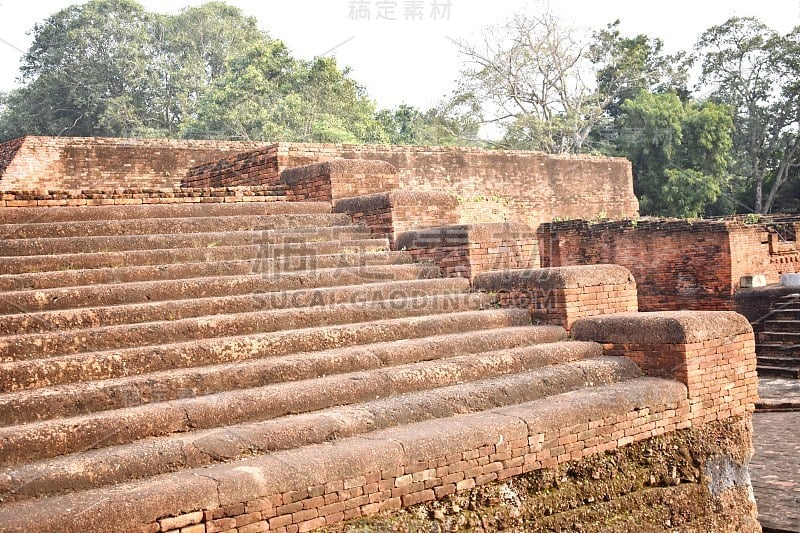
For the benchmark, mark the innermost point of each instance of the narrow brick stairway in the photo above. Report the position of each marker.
(778, 347)
(153, 355)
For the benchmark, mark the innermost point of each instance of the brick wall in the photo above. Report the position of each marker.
(12, 199)
(677, 264)
(259, 167)
(530, 187)
(70, 163)
(469, 250)
(713, 354)
(8, 151)
(390, 214)
(561, 296)
(761, 249)
(339, 178)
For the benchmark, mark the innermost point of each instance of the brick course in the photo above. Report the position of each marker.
(51, 198)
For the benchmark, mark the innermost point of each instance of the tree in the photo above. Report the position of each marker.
(267, 95)
(86, 73)
(441, 126)
(546, 85)
(194, 49)
(680, 152)
(756, 72)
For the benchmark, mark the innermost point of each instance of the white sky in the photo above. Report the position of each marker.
(413, 61)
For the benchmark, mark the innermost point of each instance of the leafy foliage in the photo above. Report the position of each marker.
(756, 72)
(679, 152)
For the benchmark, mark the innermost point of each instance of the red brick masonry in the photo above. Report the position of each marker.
(469, 250)
(339, 178)
(48, 198)
(390, 214)
(561, 296)
(712, 353)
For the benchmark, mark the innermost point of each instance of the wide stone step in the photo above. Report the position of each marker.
(94, 396)
(59, 343)
(786, 360)
(767, 369)
(291, 256)
(95, 317)
(136, 503)
(139, 292)
(148, 226)
(34, 215)
(41, 440)
(779, 337)
(782, 325)
(778, 350)
(37, 373)
(523, 375)
(785, 314)
(71, 245)
(129, 274)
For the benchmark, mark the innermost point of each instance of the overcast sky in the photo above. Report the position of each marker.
(413, 60)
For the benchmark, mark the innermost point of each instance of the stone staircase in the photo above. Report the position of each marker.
(146, 350)
(778, 347)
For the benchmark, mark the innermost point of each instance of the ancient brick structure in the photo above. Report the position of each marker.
(339, 178)
(678, 264)
(47, 198)
(471, 249)
(202, 359)
(562, 296)
(390, 214)
(75, 163)
(495, 185)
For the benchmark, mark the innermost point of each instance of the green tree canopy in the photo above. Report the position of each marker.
(756, 72)
(680, 152)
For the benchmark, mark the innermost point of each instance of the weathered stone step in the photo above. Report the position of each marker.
(59, 343)
(87, 397)
(129, 274)
(785, 314)
(137, 503)
(41, 440)
(133, 361)
(778, 350)
(165, 226)
(520, 376)
(286, 255)
(767, 370)
(32, 215)
(146, 291)
(782, 325)
(778, 361)
(779, 337)
(71, 245)
(93, 317)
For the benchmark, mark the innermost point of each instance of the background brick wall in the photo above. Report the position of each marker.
(677, 264)
(492, 185)
(70, 163)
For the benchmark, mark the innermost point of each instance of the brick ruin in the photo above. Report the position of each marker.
(338, 338)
